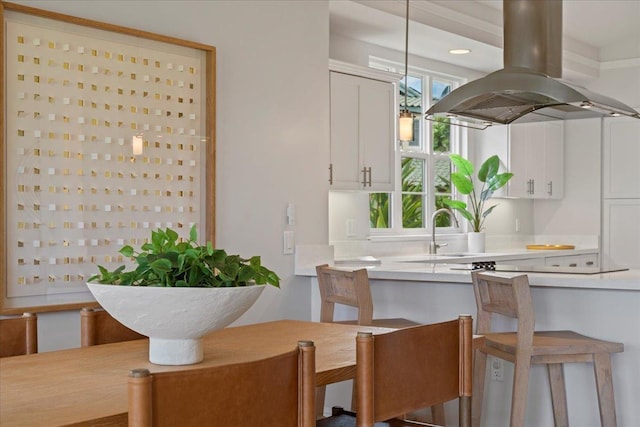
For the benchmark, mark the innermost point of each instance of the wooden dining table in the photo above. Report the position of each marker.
(88, 386)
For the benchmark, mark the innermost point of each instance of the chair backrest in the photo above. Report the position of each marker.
(508, 296)
(413, 368)
(344, 287)
(274, 392)
(98, 327)
(19, 335)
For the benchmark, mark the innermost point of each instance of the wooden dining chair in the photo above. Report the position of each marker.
(19, 335)
(351, 288)
(409, 369)
(511, 297)
(274, 392)
(98, 327)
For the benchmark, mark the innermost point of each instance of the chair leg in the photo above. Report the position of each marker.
(479, 370)
(354, 396)
(320, 393)
(558, 394)
(520, 388)
(437, 415)
(604, 385)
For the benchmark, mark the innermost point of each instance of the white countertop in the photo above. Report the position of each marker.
(405, 268)
(619, 280)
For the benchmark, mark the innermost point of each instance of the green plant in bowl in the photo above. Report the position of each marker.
(474, 211)
(169, 261)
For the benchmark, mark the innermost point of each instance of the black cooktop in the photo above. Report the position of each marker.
(545, 269)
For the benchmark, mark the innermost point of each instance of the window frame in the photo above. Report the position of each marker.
(458, 140)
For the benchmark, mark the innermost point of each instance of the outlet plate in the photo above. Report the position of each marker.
(497, 369)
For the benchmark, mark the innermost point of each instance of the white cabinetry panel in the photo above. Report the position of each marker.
(621, 158)
(536, 158)
(621, 240)
(362, 131)
(533, 152)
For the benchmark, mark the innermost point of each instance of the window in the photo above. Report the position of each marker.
(423, 168)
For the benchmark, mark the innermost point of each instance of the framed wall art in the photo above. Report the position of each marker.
(107, 134)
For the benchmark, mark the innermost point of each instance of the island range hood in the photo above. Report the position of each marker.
(529, 87)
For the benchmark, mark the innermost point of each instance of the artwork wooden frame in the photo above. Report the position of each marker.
(80, 99)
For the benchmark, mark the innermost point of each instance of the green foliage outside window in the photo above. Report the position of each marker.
(379, 210)
(441, 135)
(412, 192)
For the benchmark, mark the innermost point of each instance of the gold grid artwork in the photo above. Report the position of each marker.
(105, 140)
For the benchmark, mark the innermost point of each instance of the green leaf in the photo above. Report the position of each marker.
(463, 165)
(172, 236)
(161, 265)
(462, 182)
(127, 251)
(489, 168)
(193, 234)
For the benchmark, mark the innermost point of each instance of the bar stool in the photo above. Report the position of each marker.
(351, 288)
(511, 297)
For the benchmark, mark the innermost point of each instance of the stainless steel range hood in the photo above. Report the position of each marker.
(527, 88)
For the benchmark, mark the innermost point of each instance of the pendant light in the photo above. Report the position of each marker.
(405, 124)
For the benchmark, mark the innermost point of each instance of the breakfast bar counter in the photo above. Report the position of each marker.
(604, 305)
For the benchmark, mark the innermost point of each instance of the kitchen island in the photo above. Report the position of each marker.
(605, 306)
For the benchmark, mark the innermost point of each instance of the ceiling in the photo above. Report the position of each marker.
(594, 31)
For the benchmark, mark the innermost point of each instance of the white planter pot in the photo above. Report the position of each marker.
(175, 319)
(475, 242)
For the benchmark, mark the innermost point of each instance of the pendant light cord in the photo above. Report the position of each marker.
(406, 59)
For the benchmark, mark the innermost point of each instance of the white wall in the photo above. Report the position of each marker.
(272, 129)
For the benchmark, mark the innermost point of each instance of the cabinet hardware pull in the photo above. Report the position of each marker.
(533, 186)
(369, 176)
(550, 192)
(573, 264)
(330, 173)
(364, 176)
(589, 262)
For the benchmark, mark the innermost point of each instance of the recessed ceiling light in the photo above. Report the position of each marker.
(459, 51)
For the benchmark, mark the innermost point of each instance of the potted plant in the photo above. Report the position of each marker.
(179, 291)
(474, 210)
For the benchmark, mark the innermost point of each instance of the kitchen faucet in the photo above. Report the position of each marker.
(433, 247)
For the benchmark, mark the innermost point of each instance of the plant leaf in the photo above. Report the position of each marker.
(462, 182)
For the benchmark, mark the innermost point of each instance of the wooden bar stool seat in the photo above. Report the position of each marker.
(511, 297)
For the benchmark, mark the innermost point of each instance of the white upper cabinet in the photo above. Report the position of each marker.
(536, 158)
(533, 152)
(362, 129)
(621, 158)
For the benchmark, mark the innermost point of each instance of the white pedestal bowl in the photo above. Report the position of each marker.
(175, 319)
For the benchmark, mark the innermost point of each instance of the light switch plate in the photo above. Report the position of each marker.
(288, 242)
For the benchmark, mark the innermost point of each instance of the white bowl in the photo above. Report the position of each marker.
(175, 319)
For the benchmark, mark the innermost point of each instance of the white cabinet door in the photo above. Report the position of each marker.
(377, 133)
(536, 159)
(554, 161)
(621, 234)
(345, 150)
(362, 133)
(621, 158)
